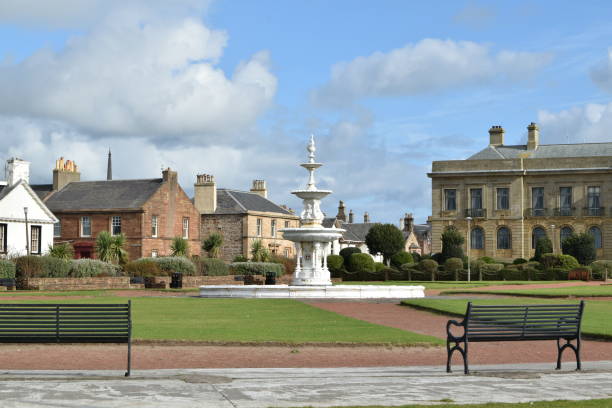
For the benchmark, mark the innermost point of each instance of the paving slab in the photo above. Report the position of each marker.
(294, 387)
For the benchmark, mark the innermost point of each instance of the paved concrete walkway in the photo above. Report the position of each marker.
(293, 387)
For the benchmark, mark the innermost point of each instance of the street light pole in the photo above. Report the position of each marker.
(552, 237)
(25, 212)
(469, 245)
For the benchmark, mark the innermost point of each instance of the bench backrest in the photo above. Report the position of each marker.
(526, 322)
(65, 323)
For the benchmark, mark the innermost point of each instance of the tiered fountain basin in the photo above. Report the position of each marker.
(313, 292)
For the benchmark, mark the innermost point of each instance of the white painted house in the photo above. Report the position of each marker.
(26, 224)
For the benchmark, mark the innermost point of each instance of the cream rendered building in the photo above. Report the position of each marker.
(512, 195)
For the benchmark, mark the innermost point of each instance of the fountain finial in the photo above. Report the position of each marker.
(311, 149)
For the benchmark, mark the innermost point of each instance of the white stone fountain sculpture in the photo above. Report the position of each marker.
(312, 240)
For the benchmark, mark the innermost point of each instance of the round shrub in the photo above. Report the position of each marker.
(491, 271)
(568, 262)
(513, 274)
(379, 266)
(256, 268)
(87, 268)
(400, 258)
(7, 269)
(335, 264)
(361, 263)
(487, 259)
(143, 268)
(519, 261)
(453, 266)
(347, 252)
(430, 267)
(171, 264)
(240, 258)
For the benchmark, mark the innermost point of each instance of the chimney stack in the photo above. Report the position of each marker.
(341, 215)
(408, 222)
(366, 217)
(533, 136)
(65, 172)
(17, 169)
(351, 217)
(259, 187)
(496, 136)
(170, 176)
(205, 194)
(109, 167)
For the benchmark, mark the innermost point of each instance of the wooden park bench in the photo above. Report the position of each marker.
(517, 323)
(67, 323)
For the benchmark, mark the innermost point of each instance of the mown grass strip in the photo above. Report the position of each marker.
(279, 321)
(443, 284)
(596, 403)
(563, 292)
(596, 322)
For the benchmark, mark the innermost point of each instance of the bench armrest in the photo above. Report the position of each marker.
(458, 324)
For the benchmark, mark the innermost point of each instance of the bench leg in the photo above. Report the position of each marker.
(568, 344)
(449, 354)
(129, 358)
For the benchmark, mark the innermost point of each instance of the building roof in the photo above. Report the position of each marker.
(356, 231)
(329, 222)
(106, 194)
(544, 151)
(240, 202)
(42, 190)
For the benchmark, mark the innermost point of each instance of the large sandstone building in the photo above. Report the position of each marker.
(243, 217)
(510, 196)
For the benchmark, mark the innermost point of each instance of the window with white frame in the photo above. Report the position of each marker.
(258, 230)
(86, 226)
(273, 228)
(154, 253)
(154, 226)
(185, 227)
(116, 225)
(57, 229)
(35, 239)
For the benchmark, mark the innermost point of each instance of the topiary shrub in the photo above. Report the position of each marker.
(143, 268)
(491, 271)
(171, 264)
(487, 259)
(335, 264)
(256, 268)
(453, 266)
(513, 274)
(452, 244)
(7, 269)
(401, 258)
(565, 262)
(568, 262)
(213, 267)
(346, 253)
(600, 268)
(430, 267)
(519, 261)
(580, 246)
(385, 239)
(542, 246)
(379, 266)
(87, 268)
(361, 263)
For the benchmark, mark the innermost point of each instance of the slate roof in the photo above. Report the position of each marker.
(240, 202)
(106, 194)
(356, 231)
(42, 190)
(328, 222)
(544, 151)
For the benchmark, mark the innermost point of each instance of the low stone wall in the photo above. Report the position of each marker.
(80, 283)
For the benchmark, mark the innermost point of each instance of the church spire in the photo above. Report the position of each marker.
(109, 167)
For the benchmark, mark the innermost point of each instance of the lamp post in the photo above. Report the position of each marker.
(469, 245)
(25, 212)
(552, 237)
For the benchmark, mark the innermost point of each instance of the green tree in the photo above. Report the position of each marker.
(361, 263)
(335, 264)
(347, 252)
(179, 246)
(401, 258)
(109, 248)
(212, 244)
(385, 239)
(453, 265)
(580, 246)
(452, 242)
(429, 266)
(61, 251)
(543, 246)
(259, 253)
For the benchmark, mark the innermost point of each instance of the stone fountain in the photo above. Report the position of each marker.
(311, 278)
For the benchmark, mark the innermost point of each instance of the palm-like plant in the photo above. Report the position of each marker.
(179, 246)
(109, 248)
(61, 251)
(259, 253)
(212, 244)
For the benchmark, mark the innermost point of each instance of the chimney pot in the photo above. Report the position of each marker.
(496, 135)
(366, 217)
(351, 217)
(65, 172)
(341, 214)
(205, 194)
(259, 187)
(533, 136)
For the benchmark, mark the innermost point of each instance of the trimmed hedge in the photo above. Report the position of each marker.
(170, 264)
(7, 269)
(143, 268)
(213, 267)
(41, 267)
(359, 262)
(401, 258)
(600, 267)
(87, 268)
(347, 252)
(335, 264)
(379, 266)
(256, 268)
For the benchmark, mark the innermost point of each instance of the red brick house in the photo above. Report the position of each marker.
(149, 212)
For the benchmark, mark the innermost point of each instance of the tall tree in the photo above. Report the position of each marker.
(452, 242)
(580, 246)
(385, 239)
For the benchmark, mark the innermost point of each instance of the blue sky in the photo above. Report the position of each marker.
(234, 88)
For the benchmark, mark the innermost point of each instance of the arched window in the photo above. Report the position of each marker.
(477, 238)
(596, 233)
(538, 233)
(564, 233)
(503, 238)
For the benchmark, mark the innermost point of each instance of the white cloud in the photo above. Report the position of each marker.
(579, 124)
(427, 66)
(601, 74)
(156, 77)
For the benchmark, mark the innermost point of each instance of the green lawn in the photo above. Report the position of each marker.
(596, 321)
(249, 320)
(575, 291)
(597, 403)
(442, 284)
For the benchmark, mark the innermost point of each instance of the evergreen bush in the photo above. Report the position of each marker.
(416, 257)
(335, 264)
(401, 258)
(41, 267)
(288, 264)
(87, 268)
(213, 267)
(453, 266)
(580, 246)
(487, 259)
(361, 263)
(385, 239)
(347, 252)
(519, 261)
(171, 264)
(143, 268)
(240, 258)
(7, 269)
(256, 268)
(600, 267)
(429, 267)
(379, 266)
(491, 271)
(542, 246)
(452, 244)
